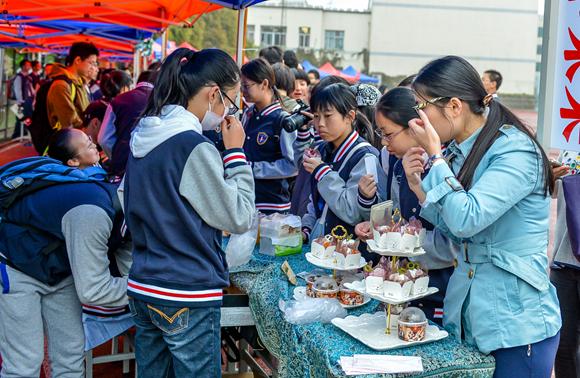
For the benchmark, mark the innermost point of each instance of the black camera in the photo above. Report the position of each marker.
(296, 120)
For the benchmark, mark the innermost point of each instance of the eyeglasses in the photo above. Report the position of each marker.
(416, 108)
(233, 108)
(246, 87)
(388, 138)
(92, 145)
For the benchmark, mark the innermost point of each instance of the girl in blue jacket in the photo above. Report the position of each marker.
(489, 193)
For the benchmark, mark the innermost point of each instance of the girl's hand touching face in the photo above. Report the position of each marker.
(424, 133)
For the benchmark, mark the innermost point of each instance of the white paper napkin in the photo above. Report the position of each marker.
(377, 364)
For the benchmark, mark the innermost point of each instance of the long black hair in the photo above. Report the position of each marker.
(113, 82)
(397, 106)
(184, 73)
(453, 76)
(60, 146)
(259, 69)
(341, 98)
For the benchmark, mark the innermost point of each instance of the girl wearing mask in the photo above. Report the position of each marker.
(179, 196)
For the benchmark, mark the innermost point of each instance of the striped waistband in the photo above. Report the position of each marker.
(105, 311)
(174, 295)
(273, 206)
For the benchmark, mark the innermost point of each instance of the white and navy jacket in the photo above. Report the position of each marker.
(179, 196)
(269, 150)
(339, 190)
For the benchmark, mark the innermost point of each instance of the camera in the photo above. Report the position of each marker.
(296, 120)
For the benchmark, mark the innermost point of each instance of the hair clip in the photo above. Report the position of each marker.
(487, 99)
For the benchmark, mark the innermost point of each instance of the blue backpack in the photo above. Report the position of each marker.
(27, 176)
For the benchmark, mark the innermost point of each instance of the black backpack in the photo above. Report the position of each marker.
(46, 259)
(39, 128)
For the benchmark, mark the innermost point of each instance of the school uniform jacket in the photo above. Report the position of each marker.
(269, 150)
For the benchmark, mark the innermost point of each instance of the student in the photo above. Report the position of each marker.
(179, 197)
(290, 59)
(335, 178)
(120, 118)
(272, 54)
(64, 109)
(268, 146)
(42, 294)
(24, 94)
(301, 86)
(74, 148)
(285, 83)
(367, 97)
(492, 81)
(91, 82)
(314, 76)
(35, 74)
(394, 111)
(493, 198)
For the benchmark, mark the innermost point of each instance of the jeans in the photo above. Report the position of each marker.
(527, 361)
(567, 282)
(176, 341)
(29, 311)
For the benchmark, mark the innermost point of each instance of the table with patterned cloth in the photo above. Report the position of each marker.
(313, 350)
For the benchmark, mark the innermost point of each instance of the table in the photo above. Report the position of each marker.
(314, 350)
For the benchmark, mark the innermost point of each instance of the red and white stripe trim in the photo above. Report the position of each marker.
(104, 310)
(273, 206)
(304, 134)
(348, 143)
(236, 157)
(364, 201)
(438, 313)
(123, 229)
(175, 295)
(144, 84)
(322, 172)
(271, 108)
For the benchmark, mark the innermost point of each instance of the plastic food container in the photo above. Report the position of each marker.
(350, 297)
(325, 287)
(412, 324)
(311, 279)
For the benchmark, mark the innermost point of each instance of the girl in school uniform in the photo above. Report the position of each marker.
(268, 146)
(394, 111)
(490, 192)
(335, 177)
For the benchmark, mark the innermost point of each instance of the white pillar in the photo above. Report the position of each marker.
(241, 33)
(164, 45)
(136, 63)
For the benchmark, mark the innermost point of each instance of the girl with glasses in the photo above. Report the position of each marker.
(268, 146)
(394, 111)
(179, 196)
(492, 197)
(74, 148)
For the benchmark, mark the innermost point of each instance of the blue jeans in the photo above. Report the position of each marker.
(176, 341)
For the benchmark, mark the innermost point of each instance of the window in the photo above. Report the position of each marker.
(334, 40)
(273, 35)
(541, 32)
(303, 37)
(538, 66)
(539, 52)
(250, 33)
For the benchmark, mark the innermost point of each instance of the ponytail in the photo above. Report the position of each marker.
(113, 82)
(185, 73)
(452, 76)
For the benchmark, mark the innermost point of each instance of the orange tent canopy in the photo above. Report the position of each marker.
(150, 16)
(187, 45)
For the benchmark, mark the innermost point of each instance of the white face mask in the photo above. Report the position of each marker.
(211, 120)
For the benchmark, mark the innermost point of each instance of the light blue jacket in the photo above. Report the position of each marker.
(500, 291)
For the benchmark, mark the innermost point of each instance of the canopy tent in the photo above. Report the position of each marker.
(362, 78)
(246, 59)
(187, 45)
(329, 69)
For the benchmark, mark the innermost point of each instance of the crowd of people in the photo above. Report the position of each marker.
(188, 165)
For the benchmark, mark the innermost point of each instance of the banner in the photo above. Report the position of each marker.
(566, 111)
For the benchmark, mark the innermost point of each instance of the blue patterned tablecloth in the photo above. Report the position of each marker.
(314, 350)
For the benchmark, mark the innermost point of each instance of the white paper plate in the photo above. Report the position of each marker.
(372, 246)
(300, 295)
(360, 287)
(329, 264)
(370, 330)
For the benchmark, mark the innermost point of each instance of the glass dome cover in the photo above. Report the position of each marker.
(412, 315)
(325, 284)
(316, 274)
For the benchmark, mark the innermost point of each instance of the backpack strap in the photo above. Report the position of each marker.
(73, 90)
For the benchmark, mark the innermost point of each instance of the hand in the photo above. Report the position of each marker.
(425, 134)
(367, 186)
(233, 135)
(363, 231)
(559, 172)
(309, 124)
(413, 163)
(304, 238)
(311, 164)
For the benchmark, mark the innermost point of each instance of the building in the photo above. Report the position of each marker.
(401, 36)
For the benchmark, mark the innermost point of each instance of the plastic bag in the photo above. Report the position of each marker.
(240, 247)
(313, 310)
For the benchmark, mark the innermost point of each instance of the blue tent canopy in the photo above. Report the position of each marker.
(363, 78)
(308, 66)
